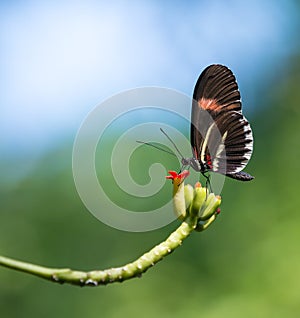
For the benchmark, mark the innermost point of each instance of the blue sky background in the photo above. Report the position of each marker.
(59, 59)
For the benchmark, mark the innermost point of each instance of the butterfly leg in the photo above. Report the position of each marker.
(206, 175)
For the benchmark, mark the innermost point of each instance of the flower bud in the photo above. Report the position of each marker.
(188, 195)
(179, 203)
(198, 200)
(209, 207)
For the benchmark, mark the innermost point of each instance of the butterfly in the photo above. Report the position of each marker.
(221, 137)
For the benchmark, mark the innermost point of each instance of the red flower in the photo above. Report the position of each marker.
(174, 175)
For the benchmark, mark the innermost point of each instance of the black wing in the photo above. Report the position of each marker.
(221, 137)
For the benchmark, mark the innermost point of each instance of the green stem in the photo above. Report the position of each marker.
(103, 277)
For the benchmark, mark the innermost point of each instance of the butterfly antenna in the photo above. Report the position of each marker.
(154, 146)
(173, 143)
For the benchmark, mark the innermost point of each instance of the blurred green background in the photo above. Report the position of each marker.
(246, 264)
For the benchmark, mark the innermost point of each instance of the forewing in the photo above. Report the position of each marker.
(216, 91)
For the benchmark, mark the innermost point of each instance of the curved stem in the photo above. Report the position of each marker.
(103, 277)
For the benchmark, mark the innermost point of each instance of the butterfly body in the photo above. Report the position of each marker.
(221, 137)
